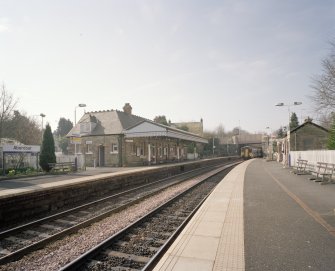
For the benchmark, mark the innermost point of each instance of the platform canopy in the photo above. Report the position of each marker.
(152, 129)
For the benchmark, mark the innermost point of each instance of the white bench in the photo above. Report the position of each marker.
(300, 168)
(323, 172)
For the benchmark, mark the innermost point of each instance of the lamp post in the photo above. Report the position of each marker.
(287, 145)
(213, 147)
(269, 150)
(42, 116)
(75, 122)
(75, 114)
(289, 112)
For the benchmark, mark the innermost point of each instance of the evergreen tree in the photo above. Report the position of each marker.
(294, 123)
(48, 149)
(280, 133)
(64, 126)
(331, 139)
(161, 120)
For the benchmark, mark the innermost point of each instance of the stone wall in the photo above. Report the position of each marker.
(50, 199)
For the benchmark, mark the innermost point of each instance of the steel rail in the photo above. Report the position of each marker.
(15, 255)
(81, 260)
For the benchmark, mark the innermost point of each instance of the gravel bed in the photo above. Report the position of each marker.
(59, 253)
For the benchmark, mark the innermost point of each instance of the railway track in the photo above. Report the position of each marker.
(21, 240)
(140, 245)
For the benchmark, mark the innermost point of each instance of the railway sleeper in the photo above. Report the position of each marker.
(160, 235)
(66, 222)
(52, 227)
(102, 265)
(37, 233)
(4, 252)
(168, 227)
(176, 218)
(16, 240)
(132, 257)
(120, 245)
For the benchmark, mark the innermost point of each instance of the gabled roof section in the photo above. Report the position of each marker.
(308, 122)
(104, 123)
(148, 128)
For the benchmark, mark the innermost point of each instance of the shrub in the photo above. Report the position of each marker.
(48, 149)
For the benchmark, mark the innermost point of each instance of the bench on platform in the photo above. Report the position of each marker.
(323, 172)
(300, 168)
(63, 166)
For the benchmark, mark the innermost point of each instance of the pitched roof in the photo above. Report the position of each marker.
(114, 122)
(310, 123)
(106, 122)
(149, 128)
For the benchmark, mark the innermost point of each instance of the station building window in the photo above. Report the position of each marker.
(140, 150)
(115, 148)
(88, 149)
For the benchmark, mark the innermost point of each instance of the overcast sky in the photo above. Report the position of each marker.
(228, 62)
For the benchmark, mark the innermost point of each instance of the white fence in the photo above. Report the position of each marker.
(313, 157)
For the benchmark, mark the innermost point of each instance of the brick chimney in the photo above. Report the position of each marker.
(127, 109)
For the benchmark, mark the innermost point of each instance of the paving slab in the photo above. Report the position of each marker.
(213, 239)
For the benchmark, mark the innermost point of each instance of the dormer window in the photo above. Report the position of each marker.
(87, 127)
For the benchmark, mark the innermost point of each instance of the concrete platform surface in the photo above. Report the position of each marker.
(22, 186)
(213, 240)
(260, 217)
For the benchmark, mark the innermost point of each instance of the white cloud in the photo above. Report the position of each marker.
(4, 28)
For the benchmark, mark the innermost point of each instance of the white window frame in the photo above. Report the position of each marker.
(115, 148)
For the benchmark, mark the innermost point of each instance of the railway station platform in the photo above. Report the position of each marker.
(20, 186)
(34, 196)
(260, 217)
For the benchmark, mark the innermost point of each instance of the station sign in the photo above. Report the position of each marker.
(21, 148)
(75, 140)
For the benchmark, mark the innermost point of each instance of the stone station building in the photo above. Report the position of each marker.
(119, 138)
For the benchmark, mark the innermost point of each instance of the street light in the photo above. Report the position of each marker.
(75, 109)
(289, 112)
(213, 146)
(268, 134)
(287, 145)
(42, 116)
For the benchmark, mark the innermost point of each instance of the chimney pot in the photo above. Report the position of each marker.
(127, 109)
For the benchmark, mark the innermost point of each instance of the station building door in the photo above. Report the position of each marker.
(101, 156)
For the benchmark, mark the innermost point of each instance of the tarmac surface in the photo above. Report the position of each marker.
(289, 221)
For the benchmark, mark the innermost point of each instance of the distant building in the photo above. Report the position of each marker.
(248, 139)
(192, 127)
(308, 136)
(119, 138)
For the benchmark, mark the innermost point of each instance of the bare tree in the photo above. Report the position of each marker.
(220, 132)
(23, 129)
(7, 105)
(324, 85)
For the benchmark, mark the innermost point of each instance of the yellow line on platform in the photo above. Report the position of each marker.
(317, 217)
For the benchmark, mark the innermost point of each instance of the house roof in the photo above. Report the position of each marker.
(114, 122)
(308, 122)
(107, 122)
